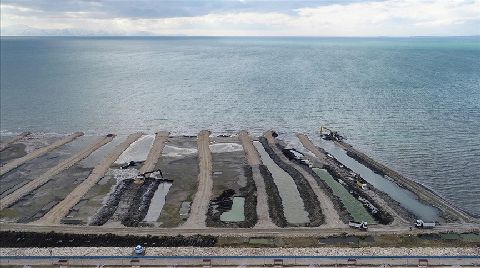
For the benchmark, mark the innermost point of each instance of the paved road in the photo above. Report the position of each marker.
(57, 213)
(45, 177)
(6, 144)
(201, 200)
(37, 153)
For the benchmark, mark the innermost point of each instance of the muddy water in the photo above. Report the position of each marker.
(353, 206)
(157, 202)
(236, 214)
(293, 206)
(407, 199)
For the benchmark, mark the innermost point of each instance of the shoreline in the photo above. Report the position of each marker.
(422, 192)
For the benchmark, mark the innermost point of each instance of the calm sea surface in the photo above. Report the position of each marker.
(413, 103)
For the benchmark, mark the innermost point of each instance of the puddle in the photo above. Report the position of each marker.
(157, 202)
(137, 151)
(236, 214)
(406, 198)
(225, 147)
(293, 206)
(173, 151)
(353, 206)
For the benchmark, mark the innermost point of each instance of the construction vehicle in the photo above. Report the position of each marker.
(424, 225)
(358, 225)
(331, 135)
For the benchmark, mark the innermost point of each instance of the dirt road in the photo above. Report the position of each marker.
(328, 209)
(6, 144)
(57, 213)
(251, 153)
(45, 177)
(39, 152)
(254, 161)
(155, 152)
(201, 200)
(307, 143)
(244, 232)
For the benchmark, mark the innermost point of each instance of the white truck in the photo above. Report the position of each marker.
(358, 225)
(424, 225)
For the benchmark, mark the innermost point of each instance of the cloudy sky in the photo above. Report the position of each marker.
(241, 17)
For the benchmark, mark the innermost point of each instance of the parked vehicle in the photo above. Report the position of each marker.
(358, 225)
(424, 225)
(139, 250)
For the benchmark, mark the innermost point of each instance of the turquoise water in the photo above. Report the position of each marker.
(236, 214)
(413, 103)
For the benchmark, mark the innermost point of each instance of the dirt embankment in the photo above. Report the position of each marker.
(140, 203)
(311, 203)
(111, 205)
(249, 192)
(337, 203)
(28, 239)
(199, 208)
(275, 206)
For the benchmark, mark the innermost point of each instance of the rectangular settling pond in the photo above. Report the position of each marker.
(293, 206)
(353, 206)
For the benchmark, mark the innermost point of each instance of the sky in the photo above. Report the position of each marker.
(241, 17)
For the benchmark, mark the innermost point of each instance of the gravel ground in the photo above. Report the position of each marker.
(195, 251)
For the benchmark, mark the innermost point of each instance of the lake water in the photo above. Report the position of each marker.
(413, 103)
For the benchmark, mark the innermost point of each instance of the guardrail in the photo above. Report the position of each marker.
(212, 261)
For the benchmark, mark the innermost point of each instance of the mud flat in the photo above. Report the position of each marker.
(450, 212)
(291, 204)
(44, 178)
(59, 211)
(34, 205)
(179, 162)
(232, 179)
(39, 152)
(7, 143)
(26, 145)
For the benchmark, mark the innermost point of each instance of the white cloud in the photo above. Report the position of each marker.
(371, 18)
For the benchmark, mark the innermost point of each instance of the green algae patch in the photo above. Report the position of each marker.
(353, 206)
